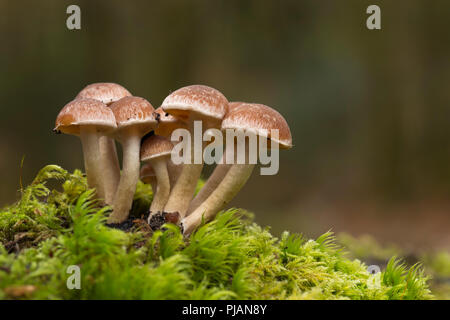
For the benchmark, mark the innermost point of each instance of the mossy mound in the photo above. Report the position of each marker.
(230, 258)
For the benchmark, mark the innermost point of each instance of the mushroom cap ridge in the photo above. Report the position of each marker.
(83, 112)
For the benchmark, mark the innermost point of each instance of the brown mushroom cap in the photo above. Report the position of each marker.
(134, 112)
(147, 171)
(154, 147)
(81, 112)
(260, 119)
(106, 92)
(197, 102)
(233, 105)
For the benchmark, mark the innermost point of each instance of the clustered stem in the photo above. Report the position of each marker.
(174, 171)
(153, 183)
(234, 180)
(111, 168)
(184, 188)
(90, 143)
(161, 193)
(123, 199)
(210, 185)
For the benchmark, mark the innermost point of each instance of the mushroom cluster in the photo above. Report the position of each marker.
(103, 113)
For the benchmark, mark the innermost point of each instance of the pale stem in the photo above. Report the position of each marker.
(210, 185)
(111, 168)
(234, 180)
(184, 189)
(161, 194)
(174, 171)
(153, 183)
(89, 141)
(123, 199)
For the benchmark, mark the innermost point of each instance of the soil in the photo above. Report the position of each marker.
(124, 226)
(160, 218)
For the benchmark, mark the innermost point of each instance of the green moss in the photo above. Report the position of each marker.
(435, 264)
(228, 258)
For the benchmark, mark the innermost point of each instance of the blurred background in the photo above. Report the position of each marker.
(368, 109)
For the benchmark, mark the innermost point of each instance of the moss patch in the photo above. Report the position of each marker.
(436, 263)
(49, 230)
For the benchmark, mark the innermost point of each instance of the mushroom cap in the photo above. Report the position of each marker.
(106, 92)
(155, 147)
(260, 119)
(167, 123)
(147, 171)
(232, 105)
(197, 102)
(85, 112)
(134, 113)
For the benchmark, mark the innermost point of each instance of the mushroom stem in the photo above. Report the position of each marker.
(210, 185)
(234, 180)
(184, 188)
(174, 171)
(123, 199)
(111, 168)
(89, 141)
(153, 183)
(161, 194)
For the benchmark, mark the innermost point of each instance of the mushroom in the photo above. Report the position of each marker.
(191, 103)
(156, 150)
(89, 119)
(254, 118)
(107, 93)
(134, 117)
(216, 176)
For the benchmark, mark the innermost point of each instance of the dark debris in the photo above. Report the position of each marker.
(158, 219)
